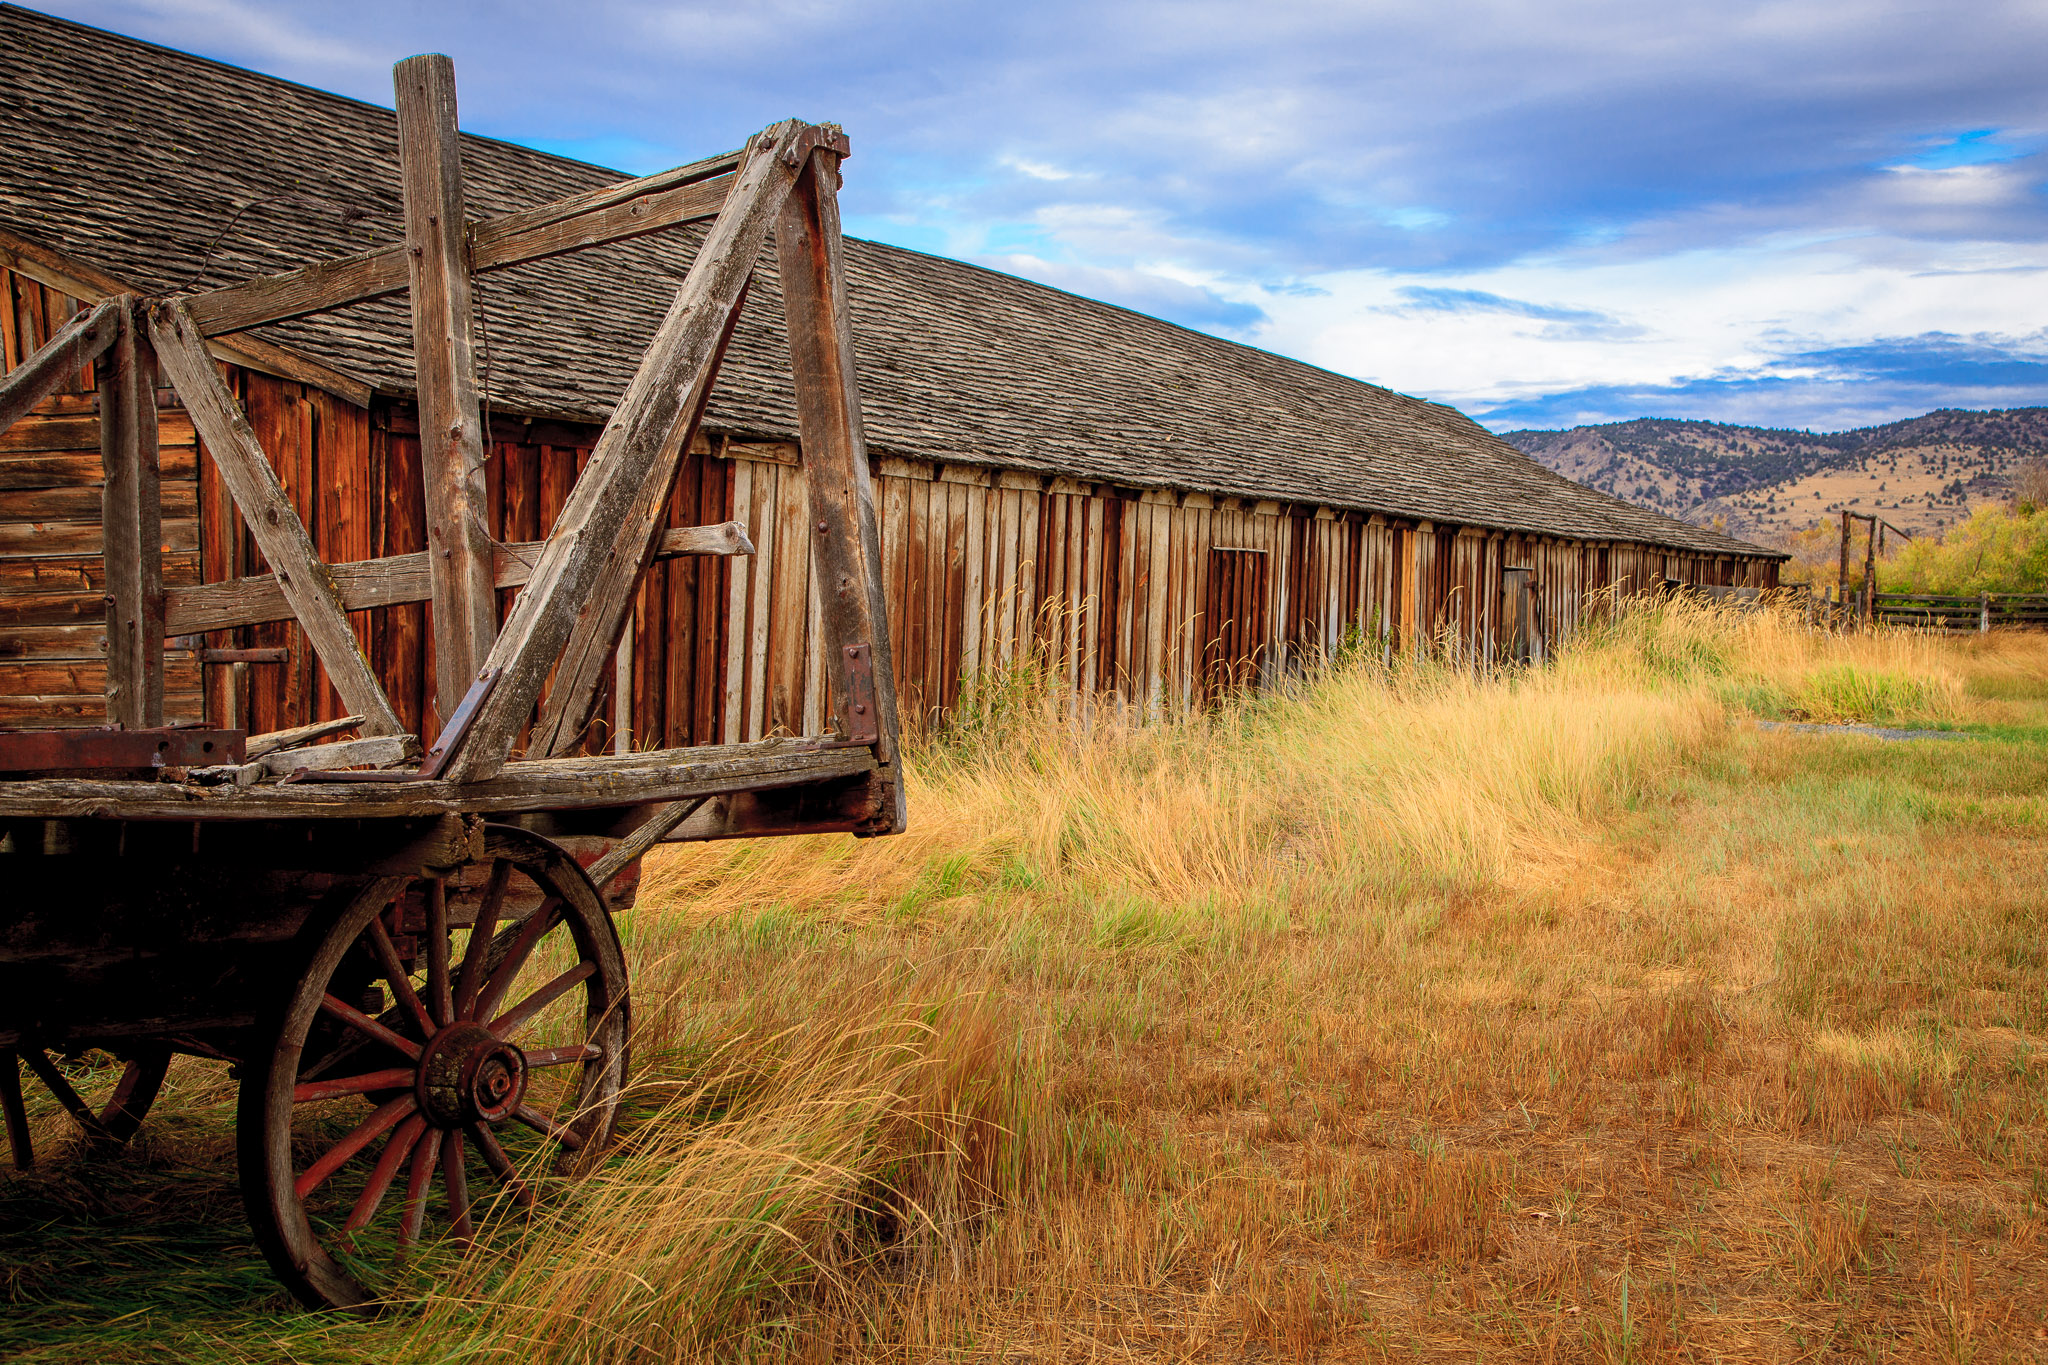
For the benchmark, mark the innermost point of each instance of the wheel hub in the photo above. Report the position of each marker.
(467, 1074)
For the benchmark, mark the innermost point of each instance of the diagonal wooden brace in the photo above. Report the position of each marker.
(650, 415)
(307, 585)
(74, 346)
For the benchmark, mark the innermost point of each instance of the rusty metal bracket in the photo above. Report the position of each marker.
(827, 135)
(863, 720)
(106, 753)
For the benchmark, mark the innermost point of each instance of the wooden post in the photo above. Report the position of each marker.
(1843, 581)
(646, 420)
(131, 527)
(1870, 576)
(1983, 613)
(459, 552)
(305, 581)
(846, 549)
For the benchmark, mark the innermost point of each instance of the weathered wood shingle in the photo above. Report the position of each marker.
(174, 172)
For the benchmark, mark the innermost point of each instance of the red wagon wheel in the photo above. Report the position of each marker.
(105, 1095)
(446, 1030)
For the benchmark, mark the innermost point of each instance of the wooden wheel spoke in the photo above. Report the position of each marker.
(396, 1148)
(401, 981)
(57, 1085)
(457, 1180)
(540, 1122)
(439, 990)
(471, 979)
(364, 1024)
(501, 1165)
(424, 1157)
(397, 1078)
(520, 1015)
(327, 1183)
(369, 1130)
(518, 947)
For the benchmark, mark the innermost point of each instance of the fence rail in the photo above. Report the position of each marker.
(1978, 612)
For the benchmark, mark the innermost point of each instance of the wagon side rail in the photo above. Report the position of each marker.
(578, 585)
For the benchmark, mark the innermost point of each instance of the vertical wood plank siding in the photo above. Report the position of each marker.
(1159, 598)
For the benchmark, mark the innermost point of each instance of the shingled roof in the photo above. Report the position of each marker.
(174, 172)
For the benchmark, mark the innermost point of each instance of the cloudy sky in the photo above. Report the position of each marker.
(1820, 213)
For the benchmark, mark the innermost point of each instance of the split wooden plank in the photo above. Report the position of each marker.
(732, 704)
(657, 402)
(399, 578)
(378, 751)
(131, 524)
(181, 352)
(278, 740)
(767, 481)
(789, 607)
(848, 548)
(594, 640)
(74, 346)
(465, 614)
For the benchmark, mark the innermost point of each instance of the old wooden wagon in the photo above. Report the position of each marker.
(409, 956)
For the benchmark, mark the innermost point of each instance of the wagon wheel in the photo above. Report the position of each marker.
(499, 1057)
(105, 1095)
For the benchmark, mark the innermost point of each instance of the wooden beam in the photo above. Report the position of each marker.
(304, 580)
(608, 780)
(601, 624)
(131, 511)
(81, 280)
(76, 344)
(655, 405)
(615, 213)
(510, 226)
(498, 243)
(400, 578)
(847, 551)
(465, 614)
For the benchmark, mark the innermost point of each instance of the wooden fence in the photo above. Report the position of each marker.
(1981, 612)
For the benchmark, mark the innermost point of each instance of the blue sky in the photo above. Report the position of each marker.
(1819, 213)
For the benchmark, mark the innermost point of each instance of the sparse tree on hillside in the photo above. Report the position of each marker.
(2030, 485)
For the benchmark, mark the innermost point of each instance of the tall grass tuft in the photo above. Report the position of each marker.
(870, 1138)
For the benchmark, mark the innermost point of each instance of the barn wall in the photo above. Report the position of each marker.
(1115, 587)
(1129, 591)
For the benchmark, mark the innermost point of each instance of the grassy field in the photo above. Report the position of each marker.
(1561, 1016)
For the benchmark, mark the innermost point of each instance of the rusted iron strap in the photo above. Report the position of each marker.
(43, 751)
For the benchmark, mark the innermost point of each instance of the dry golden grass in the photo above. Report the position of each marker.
(1553, 1016)
(1562, 1015)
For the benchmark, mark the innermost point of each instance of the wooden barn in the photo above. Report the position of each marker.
(1155, 511)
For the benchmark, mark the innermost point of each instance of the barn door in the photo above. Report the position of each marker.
(1236, 620)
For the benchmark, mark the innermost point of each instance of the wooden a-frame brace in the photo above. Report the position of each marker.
(578, 593)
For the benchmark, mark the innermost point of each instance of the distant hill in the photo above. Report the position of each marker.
(1924, 472)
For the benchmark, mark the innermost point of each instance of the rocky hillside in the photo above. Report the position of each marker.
(1922, 472)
